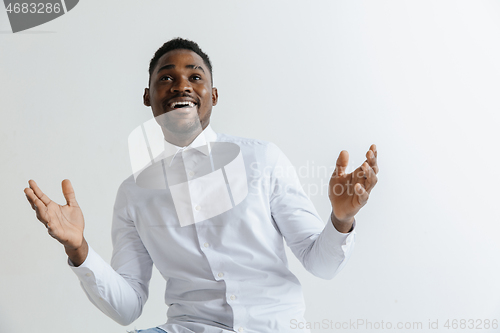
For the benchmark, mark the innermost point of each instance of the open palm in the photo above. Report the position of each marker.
(64, 223)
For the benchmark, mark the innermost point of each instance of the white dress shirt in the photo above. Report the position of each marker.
(228, 273)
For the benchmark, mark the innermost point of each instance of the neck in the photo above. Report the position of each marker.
(181, 139)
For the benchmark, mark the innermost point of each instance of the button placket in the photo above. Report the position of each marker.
(205, 246)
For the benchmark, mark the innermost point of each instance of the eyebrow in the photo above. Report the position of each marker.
(170, 66)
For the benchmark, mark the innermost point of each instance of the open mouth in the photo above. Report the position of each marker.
(182, 105)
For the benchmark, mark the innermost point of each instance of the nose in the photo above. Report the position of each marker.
(181, 85)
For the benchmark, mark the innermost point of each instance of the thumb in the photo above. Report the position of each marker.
(341, 164)
(69, 193)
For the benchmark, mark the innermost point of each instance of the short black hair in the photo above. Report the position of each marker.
(175, 44)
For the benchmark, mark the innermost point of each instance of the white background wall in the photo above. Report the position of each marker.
(421, 79)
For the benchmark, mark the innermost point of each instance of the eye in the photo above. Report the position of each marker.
(165, 78)
(196, 77)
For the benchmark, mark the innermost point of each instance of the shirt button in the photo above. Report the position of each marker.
(206, 245)
(220, 274)
(88, 275)
(232, 297)
(240, 329)
(197, 207)
(191, 173)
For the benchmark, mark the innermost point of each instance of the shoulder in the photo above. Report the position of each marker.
(258, 150)
(126, 188)
(248, 143)
(240, 140)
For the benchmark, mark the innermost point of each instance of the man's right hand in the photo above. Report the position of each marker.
(64, 223)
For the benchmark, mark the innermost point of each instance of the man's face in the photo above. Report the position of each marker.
(180, 92)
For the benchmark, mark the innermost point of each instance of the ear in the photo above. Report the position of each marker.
(215, 96)
(146, 100)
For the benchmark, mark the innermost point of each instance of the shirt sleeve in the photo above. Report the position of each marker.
(119, 290)
(321, 249)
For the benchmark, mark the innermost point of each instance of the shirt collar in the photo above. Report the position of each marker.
(199, 143)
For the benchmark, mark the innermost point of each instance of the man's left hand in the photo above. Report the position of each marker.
(349, 192)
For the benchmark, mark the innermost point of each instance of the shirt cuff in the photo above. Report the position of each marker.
(330, 222)
(86, 271)
(346, 240)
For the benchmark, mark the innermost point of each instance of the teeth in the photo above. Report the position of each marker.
(178, 104)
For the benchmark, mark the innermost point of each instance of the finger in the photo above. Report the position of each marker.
(365, 170)
(33, 199)
(38, 206)
(371, 158)
(373, 148)
(42, 212)
(361, 194)
(45, 199)
(341, 164)
(357, 176)
(69, 193)
(31, 203)
(361, 173)
(371, 178)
